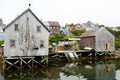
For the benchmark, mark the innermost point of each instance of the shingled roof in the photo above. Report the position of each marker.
(53, 23)
(92, 32)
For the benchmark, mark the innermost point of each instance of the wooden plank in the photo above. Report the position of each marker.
(18, 57)
(71, 55)
(11, 64)
(66, 54)
(76, 56)
(25, 63)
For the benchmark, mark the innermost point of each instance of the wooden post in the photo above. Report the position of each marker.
(20, 63)
(32, 62)
(4, 65)
(46, 60)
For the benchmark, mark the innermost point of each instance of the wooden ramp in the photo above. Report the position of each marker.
(71, 56)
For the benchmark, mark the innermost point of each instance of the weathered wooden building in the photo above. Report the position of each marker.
(99, 39)
(25, 36)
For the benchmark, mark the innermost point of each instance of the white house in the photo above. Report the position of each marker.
(25, 36)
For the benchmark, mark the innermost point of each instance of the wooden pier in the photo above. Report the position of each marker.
(33, 62)
(71, 55)
(24, 62)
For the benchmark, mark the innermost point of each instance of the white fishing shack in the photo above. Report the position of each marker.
(25, 36)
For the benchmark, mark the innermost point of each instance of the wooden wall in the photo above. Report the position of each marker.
(27, 39)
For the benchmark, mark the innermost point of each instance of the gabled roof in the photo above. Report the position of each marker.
(53, 23)
(92, 32)
(23, 14)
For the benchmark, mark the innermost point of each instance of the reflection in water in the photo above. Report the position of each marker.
(118, 75)
(84, 70)
(105, 72)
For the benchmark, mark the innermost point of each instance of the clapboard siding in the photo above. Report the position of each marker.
(27, 39)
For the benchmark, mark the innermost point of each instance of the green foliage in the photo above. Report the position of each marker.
(77, 32)
(117, 42)
(53, 39)
(115, 33)
(1, 42)
(56, 38)
(71, 36)
(101, 25)
(118, 27)
(68, 25)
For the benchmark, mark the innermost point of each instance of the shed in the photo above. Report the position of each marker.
(25, 36)
(99, 39)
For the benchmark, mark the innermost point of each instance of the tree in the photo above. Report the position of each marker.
(52, 39)
(55, 38)
(117, 42)
(78, 32)
(1, 42)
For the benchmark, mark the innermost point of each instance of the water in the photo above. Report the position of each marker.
(83, 70)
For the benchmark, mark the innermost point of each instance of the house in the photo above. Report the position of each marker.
(75, 27)
(53, 26)
(89, 25)
(98, 39)
(25, 36)
(69, 27)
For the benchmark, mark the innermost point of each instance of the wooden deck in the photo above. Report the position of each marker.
(70, 55)
(67, 51)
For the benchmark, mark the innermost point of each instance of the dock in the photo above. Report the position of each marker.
(70, 55)
(32, 62)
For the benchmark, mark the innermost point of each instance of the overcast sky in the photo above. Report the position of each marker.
(106, 12)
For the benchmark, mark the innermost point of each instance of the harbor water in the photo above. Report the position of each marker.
(62, 70)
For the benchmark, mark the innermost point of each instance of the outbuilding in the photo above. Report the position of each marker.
(100, 40)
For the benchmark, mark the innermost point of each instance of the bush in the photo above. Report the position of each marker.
(77, 32)
(117, 42)
(1, 42)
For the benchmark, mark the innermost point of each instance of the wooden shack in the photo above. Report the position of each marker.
(26, 36)
(100, 39)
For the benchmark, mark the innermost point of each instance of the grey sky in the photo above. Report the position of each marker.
(104, 12)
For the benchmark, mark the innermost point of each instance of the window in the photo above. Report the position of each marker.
(12, 43)
(42, 44)
(38, 28)
(107, 46)
(16, 27)
(27, 18)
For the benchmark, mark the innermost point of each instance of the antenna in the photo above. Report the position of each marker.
(29, 5)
